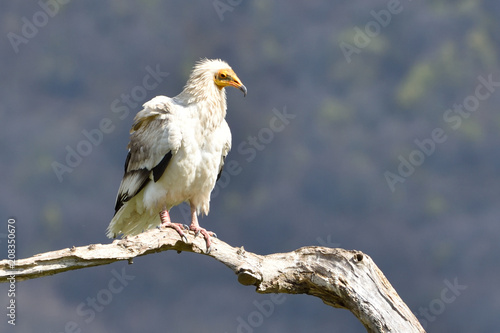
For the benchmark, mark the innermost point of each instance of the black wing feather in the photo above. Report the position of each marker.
(142, 178)
(159, 169)
(221, 167)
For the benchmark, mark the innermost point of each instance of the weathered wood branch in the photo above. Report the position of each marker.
(341, 278)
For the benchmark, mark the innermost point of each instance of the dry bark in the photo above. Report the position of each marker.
(340, 278)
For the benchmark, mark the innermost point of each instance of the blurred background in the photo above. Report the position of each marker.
(387, 143)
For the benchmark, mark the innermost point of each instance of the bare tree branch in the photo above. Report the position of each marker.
(341, 278)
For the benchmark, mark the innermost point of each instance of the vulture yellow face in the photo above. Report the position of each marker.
(227, 77)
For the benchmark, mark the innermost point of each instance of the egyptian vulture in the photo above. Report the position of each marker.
(176, 153)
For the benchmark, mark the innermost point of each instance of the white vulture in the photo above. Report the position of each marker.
(176, 153)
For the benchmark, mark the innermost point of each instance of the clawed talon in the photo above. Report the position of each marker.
(184, 238)
(166, 223)
(178, 227)
(206, 234)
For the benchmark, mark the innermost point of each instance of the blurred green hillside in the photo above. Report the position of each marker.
(390, 147)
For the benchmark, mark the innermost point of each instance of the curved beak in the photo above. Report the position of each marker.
(234, 81)
(244, 89)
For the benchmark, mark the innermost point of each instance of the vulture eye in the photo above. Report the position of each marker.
(223, 75)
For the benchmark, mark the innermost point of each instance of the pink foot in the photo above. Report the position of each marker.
(166, 223)
(206, 234)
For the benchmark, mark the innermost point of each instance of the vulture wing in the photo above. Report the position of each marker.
(154, 138)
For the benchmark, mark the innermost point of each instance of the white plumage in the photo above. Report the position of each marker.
(176, 152)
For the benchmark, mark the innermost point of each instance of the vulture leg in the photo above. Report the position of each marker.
(199, 230)
(167, 223)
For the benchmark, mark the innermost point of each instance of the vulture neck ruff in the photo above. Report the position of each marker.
(201, 90)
